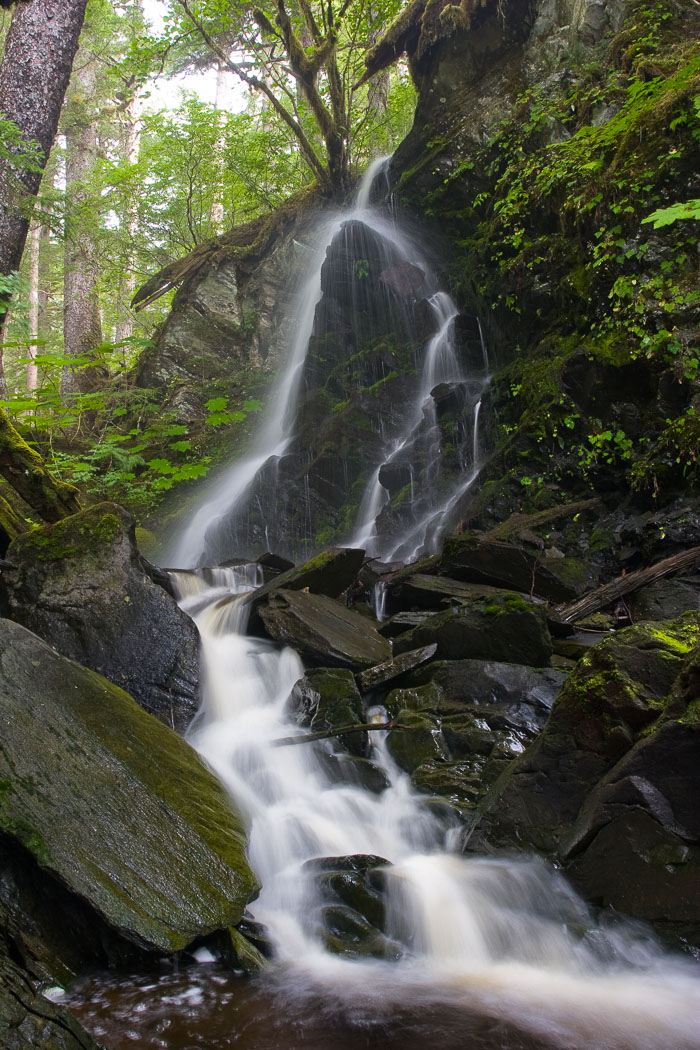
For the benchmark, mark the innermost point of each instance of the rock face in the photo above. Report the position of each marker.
(83, 587)
(608, 786)
(92, 788)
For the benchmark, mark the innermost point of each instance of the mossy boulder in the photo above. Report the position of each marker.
(610, 785)
(327, 698)
(114, 804)
(83, 587)
(505, 628)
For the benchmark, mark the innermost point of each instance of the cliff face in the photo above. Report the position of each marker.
(545, 137)
(547, 134)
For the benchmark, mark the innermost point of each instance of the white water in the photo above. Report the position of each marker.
(504, 938)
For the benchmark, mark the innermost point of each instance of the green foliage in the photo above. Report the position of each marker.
(675, 213)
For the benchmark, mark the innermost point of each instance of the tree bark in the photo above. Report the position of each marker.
(41, 44)
(34, 246)
(132, 147)
(82, 327)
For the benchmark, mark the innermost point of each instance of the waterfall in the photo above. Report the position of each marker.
(405, 291)
(503, 937)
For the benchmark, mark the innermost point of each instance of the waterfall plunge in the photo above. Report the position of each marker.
(219, 528)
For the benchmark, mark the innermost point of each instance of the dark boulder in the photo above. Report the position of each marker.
(352, 911)
(92, 788)
(504, 627)
(83, 587)
(27, 1019)
(610, 786)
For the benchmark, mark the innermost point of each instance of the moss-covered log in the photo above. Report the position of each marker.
(24, 469)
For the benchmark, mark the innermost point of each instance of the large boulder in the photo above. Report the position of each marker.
(112, 803)
(323, 629)
(83, 587)
(327, 698)
(610, 786)
(504, 627)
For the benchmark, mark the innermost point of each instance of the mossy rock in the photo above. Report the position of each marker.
(92, 787)
(620, 694)
(83, 586)
(328, 698)
(503, 628)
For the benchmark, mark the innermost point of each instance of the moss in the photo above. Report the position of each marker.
(93, 528)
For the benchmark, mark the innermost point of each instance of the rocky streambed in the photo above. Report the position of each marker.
(525, 728)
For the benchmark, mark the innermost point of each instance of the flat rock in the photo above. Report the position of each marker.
(324, 629)
(83, 587)
(113, 803)
(391, 669)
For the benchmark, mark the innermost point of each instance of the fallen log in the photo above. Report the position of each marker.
(327, 734)
(517, 522)
(617, 588)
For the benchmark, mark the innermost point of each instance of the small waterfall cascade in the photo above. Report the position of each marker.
(501, 937)
(391, 457)
(420, 441)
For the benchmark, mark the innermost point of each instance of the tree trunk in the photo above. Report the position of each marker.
(132, 146)
(82, 327)
(41, 44)
(216, 214)
(34, 246)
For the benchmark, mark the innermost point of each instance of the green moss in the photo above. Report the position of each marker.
(89, 530)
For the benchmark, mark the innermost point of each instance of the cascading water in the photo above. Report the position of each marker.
(496, 938)
(502, 940)
(371, 298)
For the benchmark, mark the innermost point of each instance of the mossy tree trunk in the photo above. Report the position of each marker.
(24, 469)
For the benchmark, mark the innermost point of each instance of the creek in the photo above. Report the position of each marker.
(480, 952)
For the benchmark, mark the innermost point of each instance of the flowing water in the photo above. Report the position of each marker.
(475, 953)
(482, 953)
(250, 487)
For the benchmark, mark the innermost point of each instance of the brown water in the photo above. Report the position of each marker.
(205, 1008)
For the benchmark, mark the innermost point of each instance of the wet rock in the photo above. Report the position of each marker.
(92, 789)
(504, 628)
(528, 693)
(616, 701)
(83, 587)
(327, 698)
(391, 669)
(353, 909)
(323, 629)
(28, 1019)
